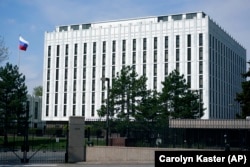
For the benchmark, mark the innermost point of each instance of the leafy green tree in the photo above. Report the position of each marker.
(38, 91)
(244, 97)
(13, 99)
(178, 100)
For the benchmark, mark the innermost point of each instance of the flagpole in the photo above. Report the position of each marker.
(19, 58)
(19, 54)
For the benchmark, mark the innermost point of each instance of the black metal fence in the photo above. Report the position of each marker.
(42, 144)
(217, 137)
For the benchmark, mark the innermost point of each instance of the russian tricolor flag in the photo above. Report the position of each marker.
(23, 44)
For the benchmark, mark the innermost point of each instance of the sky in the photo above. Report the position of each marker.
(32, 18)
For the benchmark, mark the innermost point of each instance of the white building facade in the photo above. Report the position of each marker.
(76, 57)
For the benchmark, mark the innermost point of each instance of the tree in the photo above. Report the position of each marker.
(125, 95)
(3, 50)
(178, 100)
(244, 97)
(13, 99)
(38, 91)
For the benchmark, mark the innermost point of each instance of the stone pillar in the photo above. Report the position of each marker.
(76, 139)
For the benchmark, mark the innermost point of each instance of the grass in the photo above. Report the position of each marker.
(45, 142)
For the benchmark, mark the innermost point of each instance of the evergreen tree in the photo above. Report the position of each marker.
(244, 97)
(13, 99)
(178, 100)
(125, 95)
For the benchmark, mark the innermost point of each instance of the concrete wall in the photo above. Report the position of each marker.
(109, 154)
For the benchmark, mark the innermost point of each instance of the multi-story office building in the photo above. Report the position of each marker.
(76, 57)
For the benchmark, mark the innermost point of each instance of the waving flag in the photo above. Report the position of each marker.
(23, 44)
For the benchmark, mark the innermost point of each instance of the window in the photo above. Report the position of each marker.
(200, 53)
(65, 86)
(94, 60)
(74, 98)
(123, 58)
(166, 68)
(74, 86)
(65, 98)
(57, 50)
(144, 57)
(166, 55)
(188, 40)
(123, 45)
(93, 72)
(155, 56)
(162, 18)
(67, 49)
(48, 74)
(36, 110)
(49, 51)
(55, 114)
(93, 97)
(113, 46)
(200, 67)
(75, 49)
(189, 54)
(64, 110)
(63, 28)
(57, 62)
(155, 83)
(66, 61)
(155, 69)
(86, 26)
(49, 62)
(93, 111)
(56, 87)
(56, 98)
(189, 81)
(200, 81)
(177, 17)
(66, 74)
(200, 39)
(189, 68)
(178, 67)
(144, 69)
(113, 58)
(144, 43)
(155, 42)
(83, 110)
(177, 54)
(166, 42)
(94, 47)
(190, 15)
(74, 110)
(93, 85)
(75, 73)
(134, 57)
(104, 46)
(84, 60)
(47, 110)
(134, 44)
(48, 86)
(177, 41)
(85, 48)
(83, 85)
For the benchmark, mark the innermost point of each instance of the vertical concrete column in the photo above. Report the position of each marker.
(76, 139)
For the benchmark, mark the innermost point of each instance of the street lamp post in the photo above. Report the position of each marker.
(107, 108)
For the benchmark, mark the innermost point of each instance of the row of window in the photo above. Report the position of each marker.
(114, 46)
